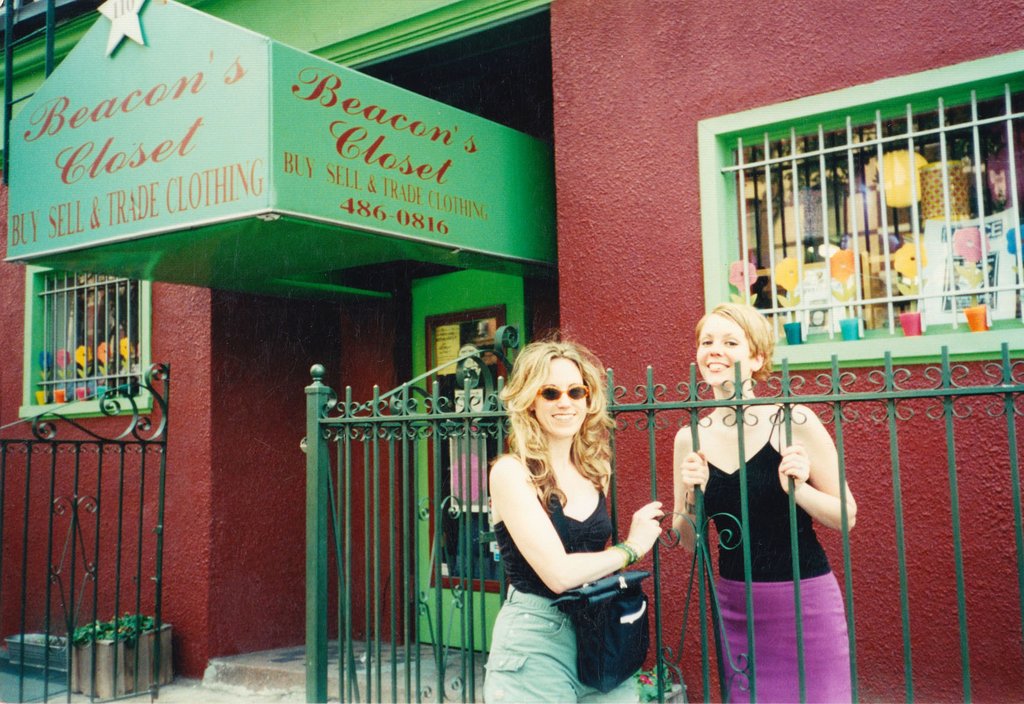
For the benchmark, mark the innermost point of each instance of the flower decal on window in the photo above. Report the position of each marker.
(905, 260)
(787, 276)
(101, 359)
(842, 268)
(910, 269)
(742, 276)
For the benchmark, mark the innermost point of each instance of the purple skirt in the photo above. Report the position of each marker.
(826, 647)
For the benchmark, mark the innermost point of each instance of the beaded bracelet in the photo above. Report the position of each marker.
(625, 551)
(636, 551)
(629, 551)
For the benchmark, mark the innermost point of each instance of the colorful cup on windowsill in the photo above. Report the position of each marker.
(977, 317)
(59, 396)
(794, 332)
(41, 398)
(80, 393)
(849, 328)
(910, 321)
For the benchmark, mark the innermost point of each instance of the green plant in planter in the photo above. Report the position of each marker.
(647, 685)
(126, 629)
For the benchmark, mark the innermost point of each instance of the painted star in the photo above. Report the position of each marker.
(124, 21)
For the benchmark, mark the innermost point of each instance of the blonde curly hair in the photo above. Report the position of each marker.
(527, 441)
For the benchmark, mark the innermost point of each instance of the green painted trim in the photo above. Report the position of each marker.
(719, 217)
(30, 369)
(963, 345)
(716, 213)
(419, 32)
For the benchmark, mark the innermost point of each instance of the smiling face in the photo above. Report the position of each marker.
(722, 345)
(563, 417)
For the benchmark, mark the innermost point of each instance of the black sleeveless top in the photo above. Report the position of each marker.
(770, 554)
(589, 535)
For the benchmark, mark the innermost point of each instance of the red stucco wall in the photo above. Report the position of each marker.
(631, 80)
(263, 349)
(182, 339)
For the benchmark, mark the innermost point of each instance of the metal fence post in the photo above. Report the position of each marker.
(317, 467)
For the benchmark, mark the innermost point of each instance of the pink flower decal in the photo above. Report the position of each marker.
(967, 244)
(737, 272)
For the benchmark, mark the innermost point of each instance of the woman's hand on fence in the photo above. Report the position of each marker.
(693, 471)
(645, 527)
(795, 463)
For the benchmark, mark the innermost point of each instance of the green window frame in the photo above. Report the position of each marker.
(954, 119)
(64, 355)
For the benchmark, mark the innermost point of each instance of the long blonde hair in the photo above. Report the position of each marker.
(590, 451)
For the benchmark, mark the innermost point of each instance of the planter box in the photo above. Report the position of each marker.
(128, 678)
(34, 652)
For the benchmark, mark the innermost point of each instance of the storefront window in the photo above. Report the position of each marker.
(865, 222)
(87, 337)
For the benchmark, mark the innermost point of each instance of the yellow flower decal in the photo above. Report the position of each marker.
(124, 347)
(786, 274)
(905, 260)
(83, 359)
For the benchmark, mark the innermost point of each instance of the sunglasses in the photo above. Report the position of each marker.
(577, 392)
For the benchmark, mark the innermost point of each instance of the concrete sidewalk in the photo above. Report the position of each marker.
(280, 676)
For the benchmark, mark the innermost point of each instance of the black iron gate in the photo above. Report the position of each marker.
(81, 530)
(400, 568)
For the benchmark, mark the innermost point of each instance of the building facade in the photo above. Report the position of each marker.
(633, 164)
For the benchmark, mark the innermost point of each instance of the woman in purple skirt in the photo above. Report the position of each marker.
(732, 336)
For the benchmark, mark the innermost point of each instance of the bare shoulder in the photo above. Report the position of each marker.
(508, 469)
(512, 489)
(808, 430)
(805, 418)
(684, 440)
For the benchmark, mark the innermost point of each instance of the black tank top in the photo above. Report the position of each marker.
(589, 535)
(770, 554)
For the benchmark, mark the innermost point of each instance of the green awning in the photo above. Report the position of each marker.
(214, 156)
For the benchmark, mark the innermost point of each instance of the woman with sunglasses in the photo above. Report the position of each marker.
(737, 336)
(549, 506)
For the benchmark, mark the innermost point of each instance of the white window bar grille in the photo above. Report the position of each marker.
(895, 192)
(90, 337)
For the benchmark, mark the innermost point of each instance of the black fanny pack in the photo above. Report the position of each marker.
(612, 632)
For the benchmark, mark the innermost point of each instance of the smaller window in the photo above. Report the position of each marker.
(872, 219)
(86, 337)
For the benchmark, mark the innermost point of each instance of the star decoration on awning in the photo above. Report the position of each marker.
(124, 21)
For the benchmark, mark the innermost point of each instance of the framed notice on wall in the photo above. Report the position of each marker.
(449, 334)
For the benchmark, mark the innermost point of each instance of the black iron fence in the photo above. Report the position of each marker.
(403, 572)
(81, 529)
